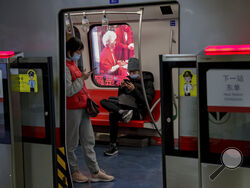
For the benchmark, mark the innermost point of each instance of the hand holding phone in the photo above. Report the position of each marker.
(130, 86)
(126, 81)
(85, 75)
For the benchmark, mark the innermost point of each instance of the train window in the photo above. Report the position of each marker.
(228, 109)
(32, 103)
(110, 51)
(184, 85)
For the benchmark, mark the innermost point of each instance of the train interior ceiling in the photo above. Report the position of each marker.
(159, 35)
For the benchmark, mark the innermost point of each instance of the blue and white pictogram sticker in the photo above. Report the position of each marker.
(172, 23)
(113, 1)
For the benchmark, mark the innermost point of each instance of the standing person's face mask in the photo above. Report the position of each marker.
(76, 57)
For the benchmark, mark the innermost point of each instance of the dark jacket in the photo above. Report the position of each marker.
(137, 93)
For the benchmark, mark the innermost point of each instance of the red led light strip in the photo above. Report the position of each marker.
(6, 54)
(227, 49)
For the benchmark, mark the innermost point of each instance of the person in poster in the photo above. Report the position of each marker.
(108, 61)
(124, 43)
(109, 65)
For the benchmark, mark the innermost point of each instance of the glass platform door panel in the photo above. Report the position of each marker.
(34, 77)
(179, 121)
(5, 139)
(224, 119)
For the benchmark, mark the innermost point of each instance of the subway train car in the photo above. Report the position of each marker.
(32, 131)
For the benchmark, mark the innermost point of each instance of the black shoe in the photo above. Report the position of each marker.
(111, 151)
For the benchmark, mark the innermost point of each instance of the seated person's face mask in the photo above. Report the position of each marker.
(134, 76)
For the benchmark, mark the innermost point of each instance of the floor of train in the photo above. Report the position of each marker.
(133, 167)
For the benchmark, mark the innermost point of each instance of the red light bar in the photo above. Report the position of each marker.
(226, 53)
(228, 48)
(6, 54)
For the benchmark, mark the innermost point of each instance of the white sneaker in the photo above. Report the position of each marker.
(78, 177)
(101, 176)
(127, 116)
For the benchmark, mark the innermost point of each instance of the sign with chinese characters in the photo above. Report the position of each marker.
(230, 88)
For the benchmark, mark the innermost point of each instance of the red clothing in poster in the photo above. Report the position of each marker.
(123, 69)
(107, 61)
(110, 65)
(123, 40)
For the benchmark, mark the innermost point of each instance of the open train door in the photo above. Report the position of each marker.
(33, 116)
(179, 120)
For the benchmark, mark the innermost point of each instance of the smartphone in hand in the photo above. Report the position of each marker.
(126, 81)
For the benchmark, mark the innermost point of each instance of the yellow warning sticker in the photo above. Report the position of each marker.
(188, 83)
(61, 162)
(28, 82)
(62, 170)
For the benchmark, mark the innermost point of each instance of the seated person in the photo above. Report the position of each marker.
(130, 103)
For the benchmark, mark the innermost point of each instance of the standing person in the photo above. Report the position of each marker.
(131, 103)
(78, 123)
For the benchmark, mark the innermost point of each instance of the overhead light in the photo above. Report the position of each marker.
(85, 23)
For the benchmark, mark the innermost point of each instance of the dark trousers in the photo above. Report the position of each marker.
(114, 116)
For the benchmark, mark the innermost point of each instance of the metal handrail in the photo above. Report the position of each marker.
(155, 104)
(103, 13)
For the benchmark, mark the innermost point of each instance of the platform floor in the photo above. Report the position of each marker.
(133, 167)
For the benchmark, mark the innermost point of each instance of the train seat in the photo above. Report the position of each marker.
(103, 117)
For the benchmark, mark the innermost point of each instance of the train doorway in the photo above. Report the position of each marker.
(159, 35)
